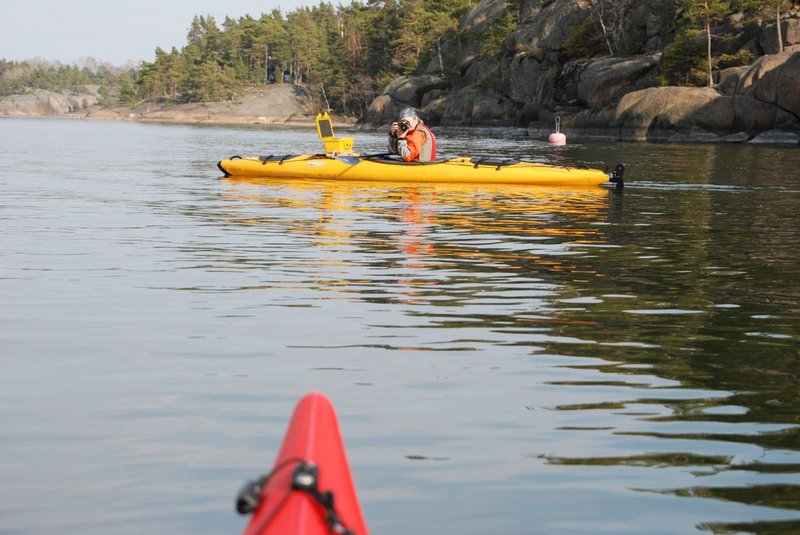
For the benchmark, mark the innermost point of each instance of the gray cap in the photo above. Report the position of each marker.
(408, 112)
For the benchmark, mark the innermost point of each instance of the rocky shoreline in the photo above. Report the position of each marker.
(664, 114)
(273, 105)
(613, 97)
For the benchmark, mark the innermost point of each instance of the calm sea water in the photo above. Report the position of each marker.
(503, 360)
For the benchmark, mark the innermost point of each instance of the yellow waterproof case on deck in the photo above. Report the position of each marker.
(333, 145)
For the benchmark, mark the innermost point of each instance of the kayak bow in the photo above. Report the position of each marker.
(310, 489)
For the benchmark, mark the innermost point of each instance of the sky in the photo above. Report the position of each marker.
(110, 31)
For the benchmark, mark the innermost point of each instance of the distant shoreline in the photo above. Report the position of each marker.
(281, 104)
(259, 108)
(306, 121)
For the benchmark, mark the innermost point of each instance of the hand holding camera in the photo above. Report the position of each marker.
(399, 129)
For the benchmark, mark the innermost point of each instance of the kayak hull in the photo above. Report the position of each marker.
(382, 169)
(313, 437)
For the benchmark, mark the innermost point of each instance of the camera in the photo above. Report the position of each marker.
(403, 125)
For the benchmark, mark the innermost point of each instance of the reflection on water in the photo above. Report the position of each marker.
(647, 290)
(504, 359)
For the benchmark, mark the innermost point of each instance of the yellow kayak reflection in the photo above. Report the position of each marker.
(494, 209)
(415, 234)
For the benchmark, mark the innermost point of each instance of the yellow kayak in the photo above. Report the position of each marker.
(385, 168)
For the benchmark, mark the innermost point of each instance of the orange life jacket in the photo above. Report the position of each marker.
(421, 145)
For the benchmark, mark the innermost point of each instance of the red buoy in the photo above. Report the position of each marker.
(557, 138)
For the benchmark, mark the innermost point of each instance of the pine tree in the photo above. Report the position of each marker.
(706, 13)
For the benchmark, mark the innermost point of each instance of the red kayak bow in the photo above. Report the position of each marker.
(310, 489)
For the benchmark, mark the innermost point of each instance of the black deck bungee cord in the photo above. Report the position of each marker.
(305, 478)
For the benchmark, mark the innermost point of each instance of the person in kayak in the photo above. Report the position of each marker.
(411, 139)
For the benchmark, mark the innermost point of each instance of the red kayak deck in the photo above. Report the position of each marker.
(311, 467)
